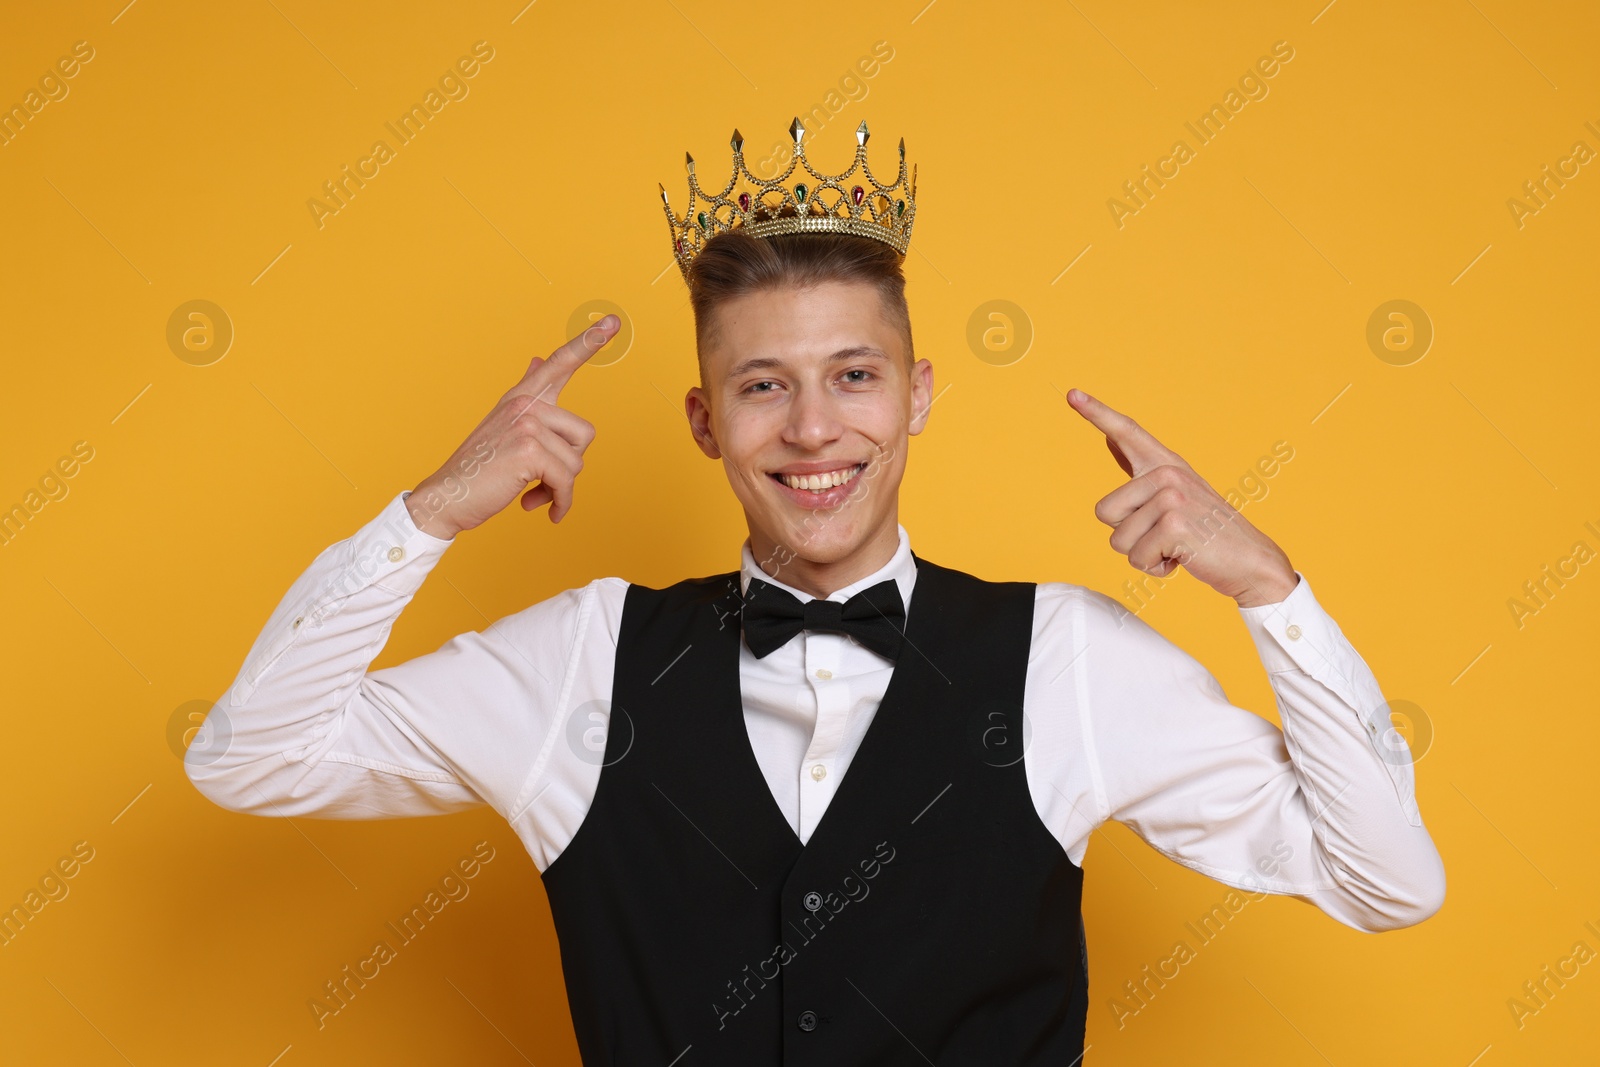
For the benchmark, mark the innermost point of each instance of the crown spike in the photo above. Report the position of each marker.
(913, 181)
(738, 141)
(862, 134)
(902, 148)
(688, 161)
(664, 198)
(796, 130)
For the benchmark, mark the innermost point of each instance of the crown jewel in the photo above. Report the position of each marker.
(822, 204)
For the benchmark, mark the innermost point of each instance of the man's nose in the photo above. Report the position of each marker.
(813, 418)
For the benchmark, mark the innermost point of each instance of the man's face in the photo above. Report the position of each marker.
(811, 383)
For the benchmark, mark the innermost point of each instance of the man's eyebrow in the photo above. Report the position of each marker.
(771, 362)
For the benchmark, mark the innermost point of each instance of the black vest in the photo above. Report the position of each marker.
(931, 917)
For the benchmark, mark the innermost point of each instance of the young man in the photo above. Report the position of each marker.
(829, 808)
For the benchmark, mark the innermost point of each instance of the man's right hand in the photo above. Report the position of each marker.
(525, 439)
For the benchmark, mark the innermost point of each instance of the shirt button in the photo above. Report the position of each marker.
(808, 1020)
(813, 902)
(298, 621)
(818, 771)
(824, 673)
(396, 554)
(1293, 631)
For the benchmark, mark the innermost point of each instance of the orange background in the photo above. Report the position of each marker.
(1229, 313)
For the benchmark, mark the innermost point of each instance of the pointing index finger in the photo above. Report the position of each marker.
(1126, 436)
(546, 378)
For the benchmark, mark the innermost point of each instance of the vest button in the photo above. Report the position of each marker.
(813, 902)
(808, 1020)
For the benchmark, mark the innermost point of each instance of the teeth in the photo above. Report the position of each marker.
(819, 482)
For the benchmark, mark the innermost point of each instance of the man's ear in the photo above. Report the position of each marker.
(698, 408)
(921, 395)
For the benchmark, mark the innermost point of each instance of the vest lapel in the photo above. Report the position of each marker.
(723, 632)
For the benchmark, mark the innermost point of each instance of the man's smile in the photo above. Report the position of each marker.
(817, 484)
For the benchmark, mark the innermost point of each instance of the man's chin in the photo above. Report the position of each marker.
(813, 539)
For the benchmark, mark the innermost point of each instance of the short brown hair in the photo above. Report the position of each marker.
(733, 263)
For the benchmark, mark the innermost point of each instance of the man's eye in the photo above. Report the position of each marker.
(757, 387)
(859, 370)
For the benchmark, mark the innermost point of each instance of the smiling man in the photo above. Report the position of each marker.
(810, 394)
(830, 807)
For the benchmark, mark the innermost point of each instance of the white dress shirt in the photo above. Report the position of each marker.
(1120, 724)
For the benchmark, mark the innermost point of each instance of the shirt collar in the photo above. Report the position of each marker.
(901, 567)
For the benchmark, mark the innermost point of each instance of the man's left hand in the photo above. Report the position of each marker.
(1167, 516)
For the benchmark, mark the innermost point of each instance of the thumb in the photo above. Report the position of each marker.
(537, 497)
(1117, 454)
(533, 364)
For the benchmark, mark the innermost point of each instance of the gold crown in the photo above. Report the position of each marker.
(826, 207)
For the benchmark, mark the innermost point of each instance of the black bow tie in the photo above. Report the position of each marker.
(875, 617)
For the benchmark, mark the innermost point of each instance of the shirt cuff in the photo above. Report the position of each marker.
(401, 555)
(389, 552)
(1295, 633)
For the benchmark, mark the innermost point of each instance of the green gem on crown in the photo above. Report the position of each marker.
(800, 193)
